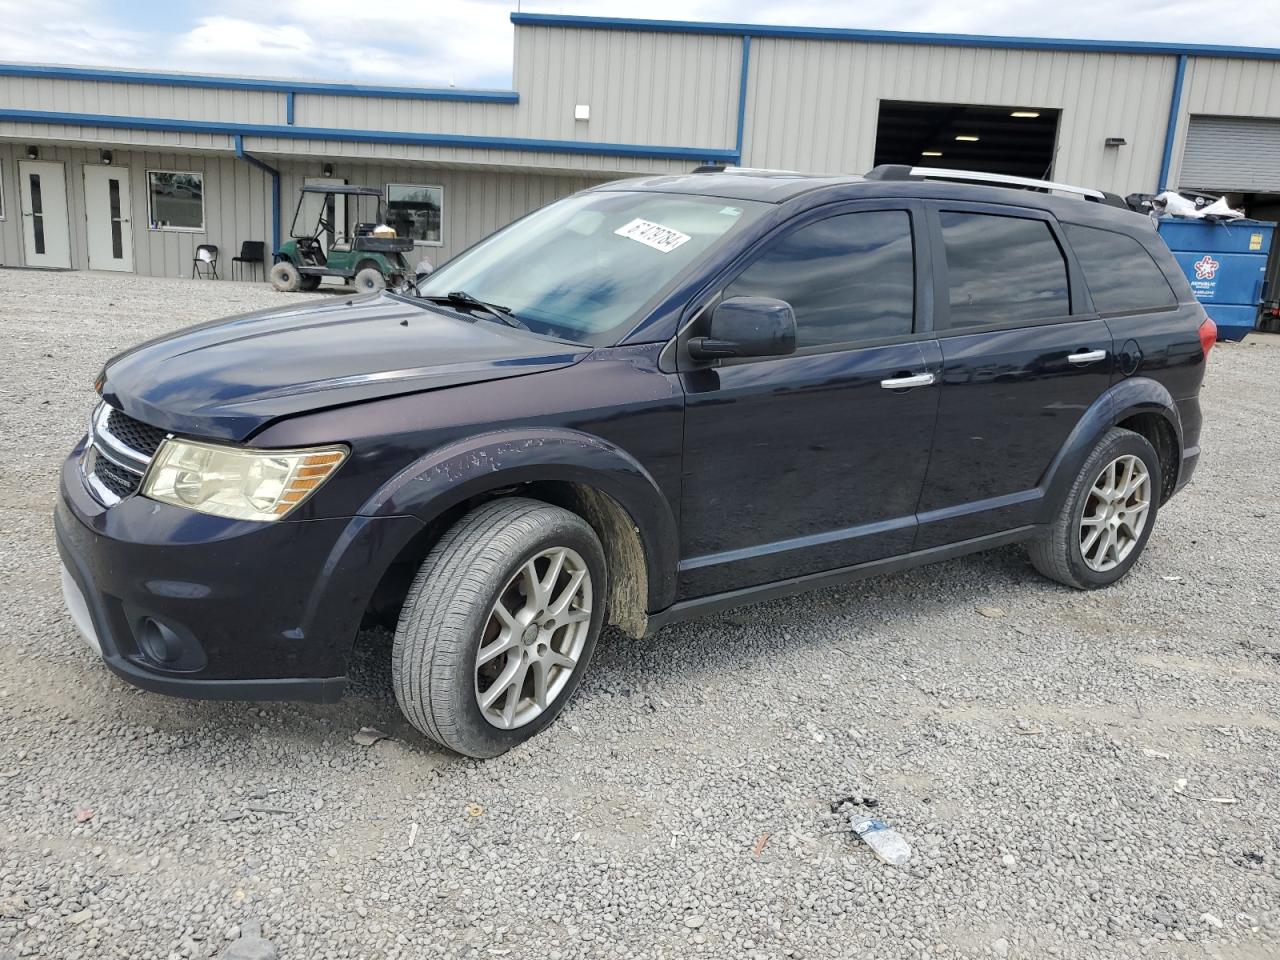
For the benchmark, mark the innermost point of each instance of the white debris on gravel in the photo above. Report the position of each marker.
(631, 827)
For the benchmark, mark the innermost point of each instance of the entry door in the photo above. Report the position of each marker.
(107, 214)
(811, 462)
(336, 215)
(45, 235)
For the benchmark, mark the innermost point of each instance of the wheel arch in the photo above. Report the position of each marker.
(1137, 403)
(578, 471)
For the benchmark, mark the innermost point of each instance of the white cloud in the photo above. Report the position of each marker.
(469, 42)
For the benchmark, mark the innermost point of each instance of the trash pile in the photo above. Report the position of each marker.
(1187, 206)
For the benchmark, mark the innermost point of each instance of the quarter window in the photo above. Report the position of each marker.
(1002, 270)
(1121, 274)
(849, 277)
(175, 200)
(416, 212)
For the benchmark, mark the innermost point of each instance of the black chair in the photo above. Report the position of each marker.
(206, 259)
(252, 252)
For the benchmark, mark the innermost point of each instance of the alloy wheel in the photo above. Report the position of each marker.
(1115, 513)
(533, 638)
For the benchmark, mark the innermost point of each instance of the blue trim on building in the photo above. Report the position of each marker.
(1171, 131)
(274, 174)
(288, 107)
(246, 83)
(742, 89)
(525, 145)
(1141, 47)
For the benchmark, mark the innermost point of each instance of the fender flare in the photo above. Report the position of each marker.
(471, 467)
(1122, 400)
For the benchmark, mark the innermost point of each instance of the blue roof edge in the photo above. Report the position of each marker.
(1141, 47)
(40, 71)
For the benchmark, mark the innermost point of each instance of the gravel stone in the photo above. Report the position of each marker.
(641, 808)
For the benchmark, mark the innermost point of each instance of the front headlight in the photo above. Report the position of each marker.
(236, 482)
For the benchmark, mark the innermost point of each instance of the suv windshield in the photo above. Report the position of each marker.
(579, 269)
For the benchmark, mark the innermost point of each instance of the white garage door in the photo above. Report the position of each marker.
(1232, 154)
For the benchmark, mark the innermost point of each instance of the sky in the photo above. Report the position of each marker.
(468, 43)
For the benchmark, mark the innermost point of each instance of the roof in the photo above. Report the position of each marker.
(768, 186)
(1140, 47)
(348, 190)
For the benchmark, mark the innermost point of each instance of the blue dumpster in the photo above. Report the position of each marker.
(1226, 263)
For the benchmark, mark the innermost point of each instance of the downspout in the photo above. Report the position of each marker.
(274, 174)
(1175, 108)
(742, 92)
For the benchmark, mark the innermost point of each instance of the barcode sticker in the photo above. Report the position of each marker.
(663, 239)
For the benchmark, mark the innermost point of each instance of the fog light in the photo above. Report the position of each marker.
(158, 642)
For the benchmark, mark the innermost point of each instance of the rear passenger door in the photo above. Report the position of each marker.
(1021, 360)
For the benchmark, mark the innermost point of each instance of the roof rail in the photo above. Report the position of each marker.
(899, 171)
(734, 168)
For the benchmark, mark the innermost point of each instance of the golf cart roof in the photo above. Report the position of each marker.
(351, 191)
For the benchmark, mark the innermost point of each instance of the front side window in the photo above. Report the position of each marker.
(416, 212)
(580, 269)
(1002, 270)
(1120, 273)
(848, 278)
(176, 200)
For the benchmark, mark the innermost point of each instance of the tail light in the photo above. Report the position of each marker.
(1208, 335)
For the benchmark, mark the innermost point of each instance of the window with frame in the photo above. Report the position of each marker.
(175, 199)
(417, 212)
(1122, 276)
(1002, 269)
(849, 277)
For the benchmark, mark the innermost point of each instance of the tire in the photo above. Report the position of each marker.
(450, 614)
(370, 280)
(1069, 551)
(309, 283)
(284, 277)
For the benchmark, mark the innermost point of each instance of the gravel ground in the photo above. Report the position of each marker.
(1053, 757)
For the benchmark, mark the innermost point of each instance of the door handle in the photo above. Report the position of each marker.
(1086, 356)
(908, 381)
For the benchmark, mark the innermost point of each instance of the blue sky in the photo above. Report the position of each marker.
(468, 42)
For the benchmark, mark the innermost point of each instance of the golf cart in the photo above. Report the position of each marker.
(371, 258)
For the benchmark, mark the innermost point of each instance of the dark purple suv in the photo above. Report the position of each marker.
(649, 401)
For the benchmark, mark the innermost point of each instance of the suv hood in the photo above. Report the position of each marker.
(229, 378)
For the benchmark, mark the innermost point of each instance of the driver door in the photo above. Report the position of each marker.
(811, 462)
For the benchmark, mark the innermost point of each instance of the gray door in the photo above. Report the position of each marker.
(1231, 155)
(46, 240)
(106, 213)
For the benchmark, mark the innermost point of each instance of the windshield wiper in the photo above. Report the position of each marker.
(465, 299)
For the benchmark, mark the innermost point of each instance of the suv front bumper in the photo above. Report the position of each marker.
(192, 605)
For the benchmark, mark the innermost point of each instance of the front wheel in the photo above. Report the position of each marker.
(499, 626)
(285, 277)
(1104, 522)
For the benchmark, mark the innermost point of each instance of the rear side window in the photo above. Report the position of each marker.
(849, 277)
(1121, 274)
(1002, 269)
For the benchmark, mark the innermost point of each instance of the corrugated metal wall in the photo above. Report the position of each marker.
(814, 104)
(1225, 88)
(238, 202)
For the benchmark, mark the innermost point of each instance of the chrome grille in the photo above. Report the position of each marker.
(119, 452)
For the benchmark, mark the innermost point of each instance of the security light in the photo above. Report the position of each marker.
(33, 153)
(1115, 141)
(327, 171)
(105, 157)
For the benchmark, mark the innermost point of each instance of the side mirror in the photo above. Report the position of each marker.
(748, 327)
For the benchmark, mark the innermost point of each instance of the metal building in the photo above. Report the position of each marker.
(130, 170)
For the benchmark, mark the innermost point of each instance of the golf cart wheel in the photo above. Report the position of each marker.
(370, 280)
(309, 283)
(285, 277)
(499, 625)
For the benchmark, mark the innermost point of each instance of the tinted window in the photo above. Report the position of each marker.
(1120, 273)
(850, 277)
(1003, 269)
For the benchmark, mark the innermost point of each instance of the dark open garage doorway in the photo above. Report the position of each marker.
(1015, 140)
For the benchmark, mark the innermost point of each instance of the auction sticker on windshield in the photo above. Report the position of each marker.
(663, 239)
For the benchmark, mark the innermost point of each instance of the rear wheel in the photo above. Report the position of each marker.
(309, 283)
(370, 280)
(1104, 522)
(499, 626)
(285, 277)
